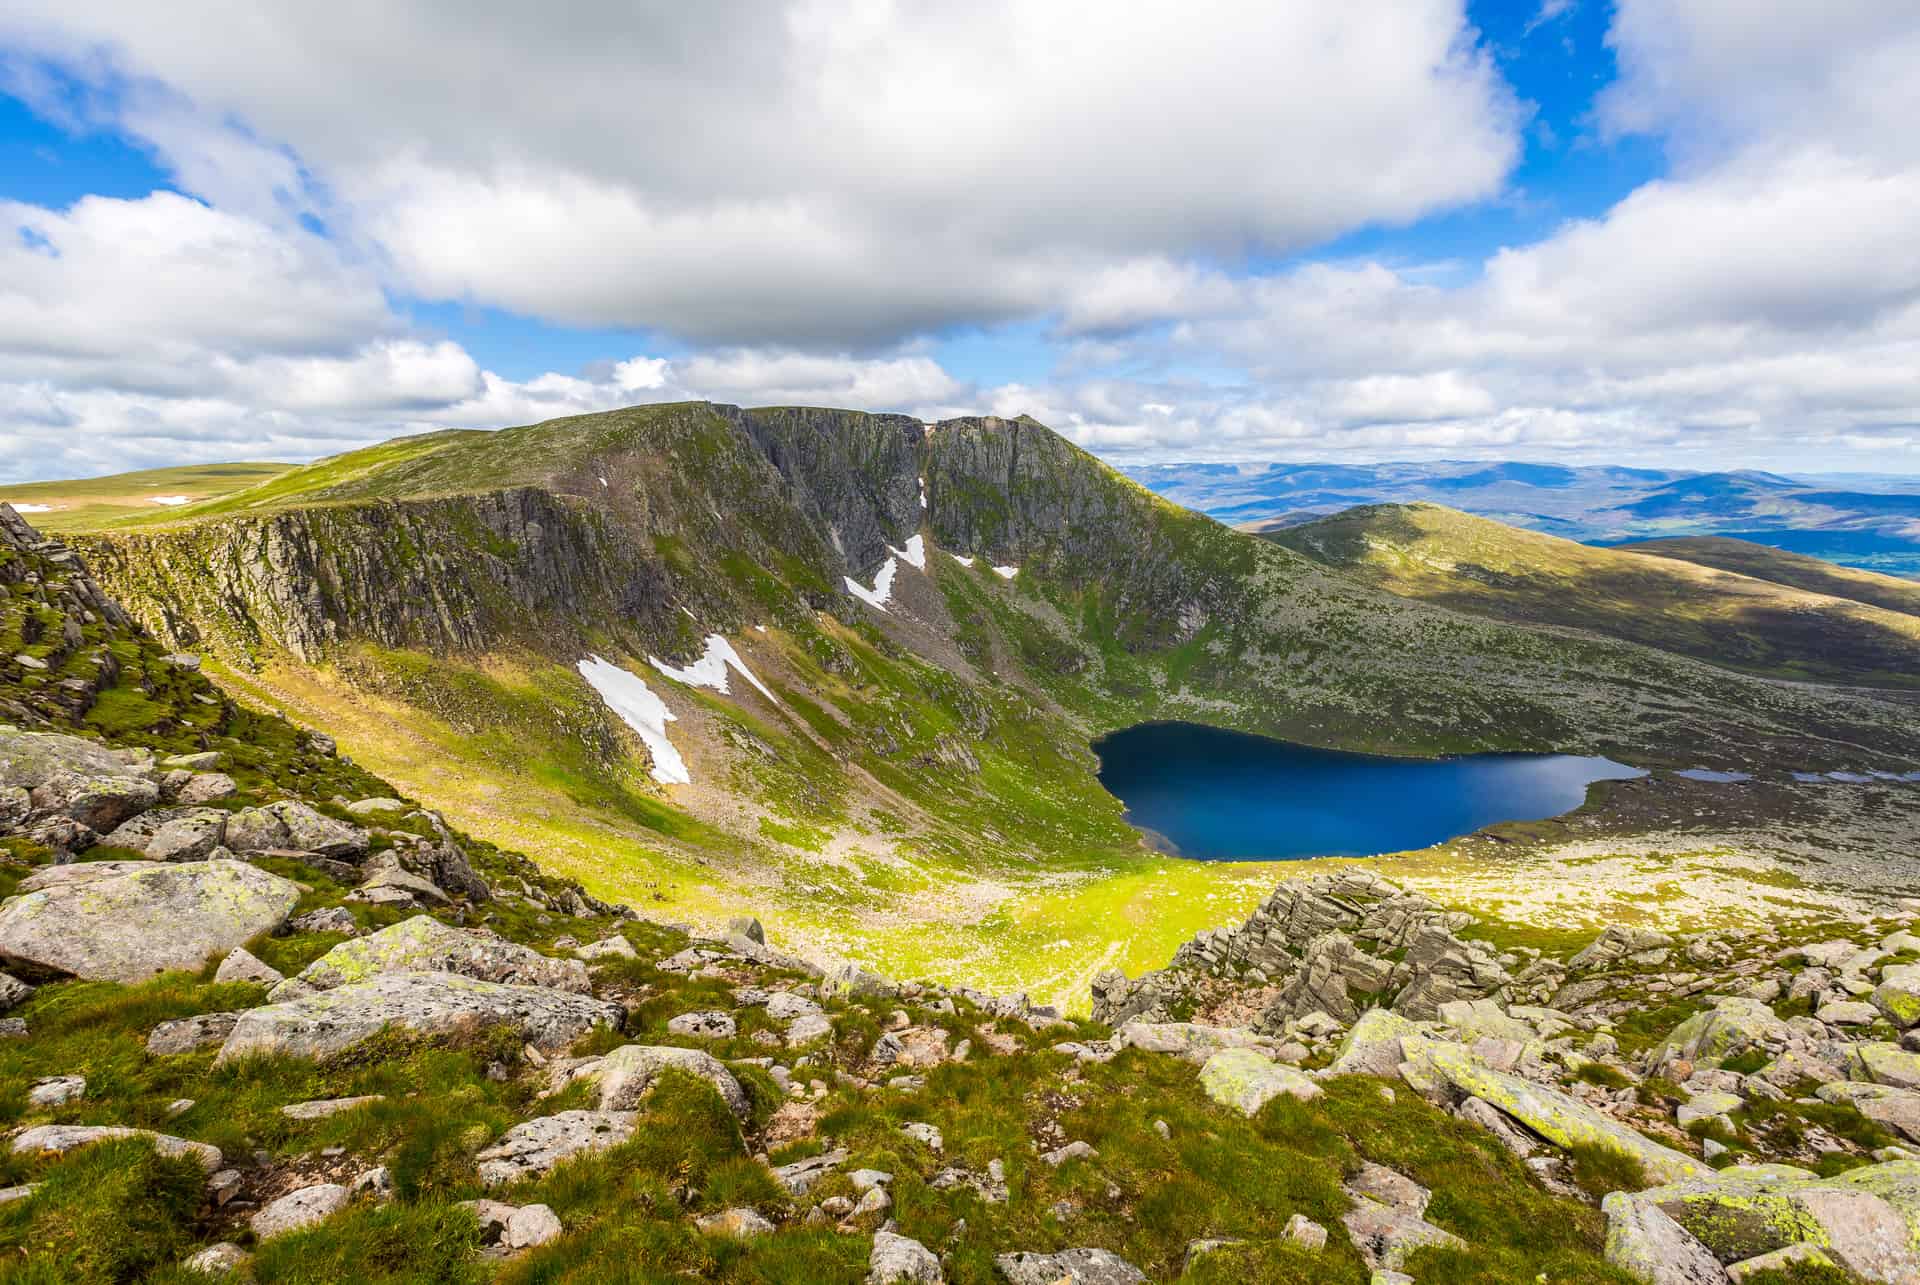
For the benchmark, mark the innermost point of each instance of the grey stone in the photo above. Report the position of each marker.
(712, 1025)
(206, 787)
(424, 944)
(430, 1004)
(1068, 1267)
(1646, 1242)
(1072, 1151)
(613, 947)
(1302, 1230)
(536, 1146)
(531, 1225)
(329, 919)
(299, 1209)
(801, 1176)
(58, 1139)
(627, 1073)
(240, 966)
(56, 1091)
(1246, 1081)
(321, 1108)
(896, 1259)
(735, 1224)
(13, 992)
(128, 927)
(217, 1260)
(185, 1034)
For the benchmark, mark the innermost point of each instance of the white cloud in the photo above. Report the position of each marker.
(818, 172)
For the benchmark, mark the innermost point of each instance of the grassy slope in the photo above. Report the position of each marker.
(102, 503)
(1763, 562)
(1472, 564)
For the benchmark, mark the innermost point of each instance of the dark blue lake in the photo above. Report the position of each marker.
(1217, 796)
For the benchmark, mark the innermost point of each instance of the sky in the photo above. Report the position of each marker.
(1674, 232)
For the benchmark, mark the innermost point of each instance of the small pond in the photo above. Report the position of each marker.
(1216, 795)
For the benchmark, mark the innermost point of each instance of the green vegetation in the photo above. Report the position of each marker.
(126, 499)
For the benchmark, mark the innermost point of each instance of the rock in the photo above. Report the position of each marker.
(372, 807)
(1848, 1013)
(925, 1133)
(1616, 943)
(492, 1216)
(82, 780)
(1483, 1019)
(8, 1195)
(614, 947)
(531, 1225)
(628, 1072)
(375, 1183)
(807, 1028)
(1886, 1064)
(536, 1146)
(712, 1025)
(310, 831)
(1302, 1230)
(56, 1091)
(1730, 1027)
(321, 1108)
(1190, 1040)
(1861, 1218)
(217, 1260)
(240, 966)
(801, 1176)
(785, 1006)
(1898, 995)
(331, 919)
(1644, 1241)
(13, 992)
(1072, 1151)
(128, 927)
(748, 927)
(172, 834)
(424, 944)
(1783, 1261)
(13, 1028)
(389, 883)
(896, 1259)
(992, 1187)
(1897, 1109)
(255, 830)
(1068, 1267)
(185, 1034)
(1707, 1106)
(1372, 1047)
(850, 981)
(1479, 1111)
(58, 1139)
(1556, 1116)
(1384, 1186)
(1246, 1081)
(298, 1209)
(735, 1224)
(206, 787)
(424, 1004)
(1385, 1236)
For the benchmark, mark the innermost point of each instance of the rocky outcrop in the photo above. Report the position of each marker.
(131, 925)
(428, 1005)
(536, 1146)
(1334, 944)
(424, 944)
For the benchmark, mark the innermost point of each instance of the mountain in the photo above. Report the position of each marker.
(1762, 626)
(1863, 521)
(1763, 562)
(910, 784)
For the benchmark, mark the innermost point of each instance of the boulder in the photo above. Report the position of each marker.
(299, 1209)
(310, 831)
(535, 1147)
(424, 944)
(82, 780)
(221, 1259)
(710, 1025)
(432, 1005)
(56, 1091)
(186, 1034)
(13, 992)
(1616, 943)
(1729, 1028)
(1556, 1116)
(172, 834)
(896, 1259)
(206, 787)
(1897, 1109)
(1190, 1040)
(1887, 1064)
(128, 927)
(801, 1176)
(1068, 1267)
(1644, 1241)
(735, 1224)
(321, 1108)
(1385, 1235)
(1372, 1047)
(627, 1073)
(58, 1139)
(240, 966)
(1246, 1081)
(531, 1225)
(1898, 995)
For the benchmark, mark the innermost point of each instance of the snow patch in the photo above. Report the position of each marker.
(172, 500)
(964, 559)
(628, 695)
(603, 481)
(1006, 573)
(882, 585)
(33, 508)
(711, 669)
(915, 554)
(923, 492)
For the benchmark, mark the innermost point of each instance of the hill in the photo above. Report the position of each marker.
(97, 503)
(848, 667)
(1763, 562)
(1862, 521)
(1761, 626)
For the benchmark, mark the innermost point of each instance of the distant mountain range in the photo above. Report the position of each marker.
(1862, 520)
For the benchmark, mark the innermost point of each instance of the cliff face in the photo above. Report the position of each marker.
(56, 628)
(448, 574)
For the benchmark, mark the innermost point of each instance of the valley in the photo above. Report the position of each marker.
(907, 780)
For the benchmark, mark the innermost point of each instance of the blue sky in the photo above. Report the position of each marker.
(1653, 231)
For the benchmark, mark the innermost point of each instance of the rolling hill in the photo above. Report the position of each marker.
(1763, 562)
(96, 503)
(1762, 626)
